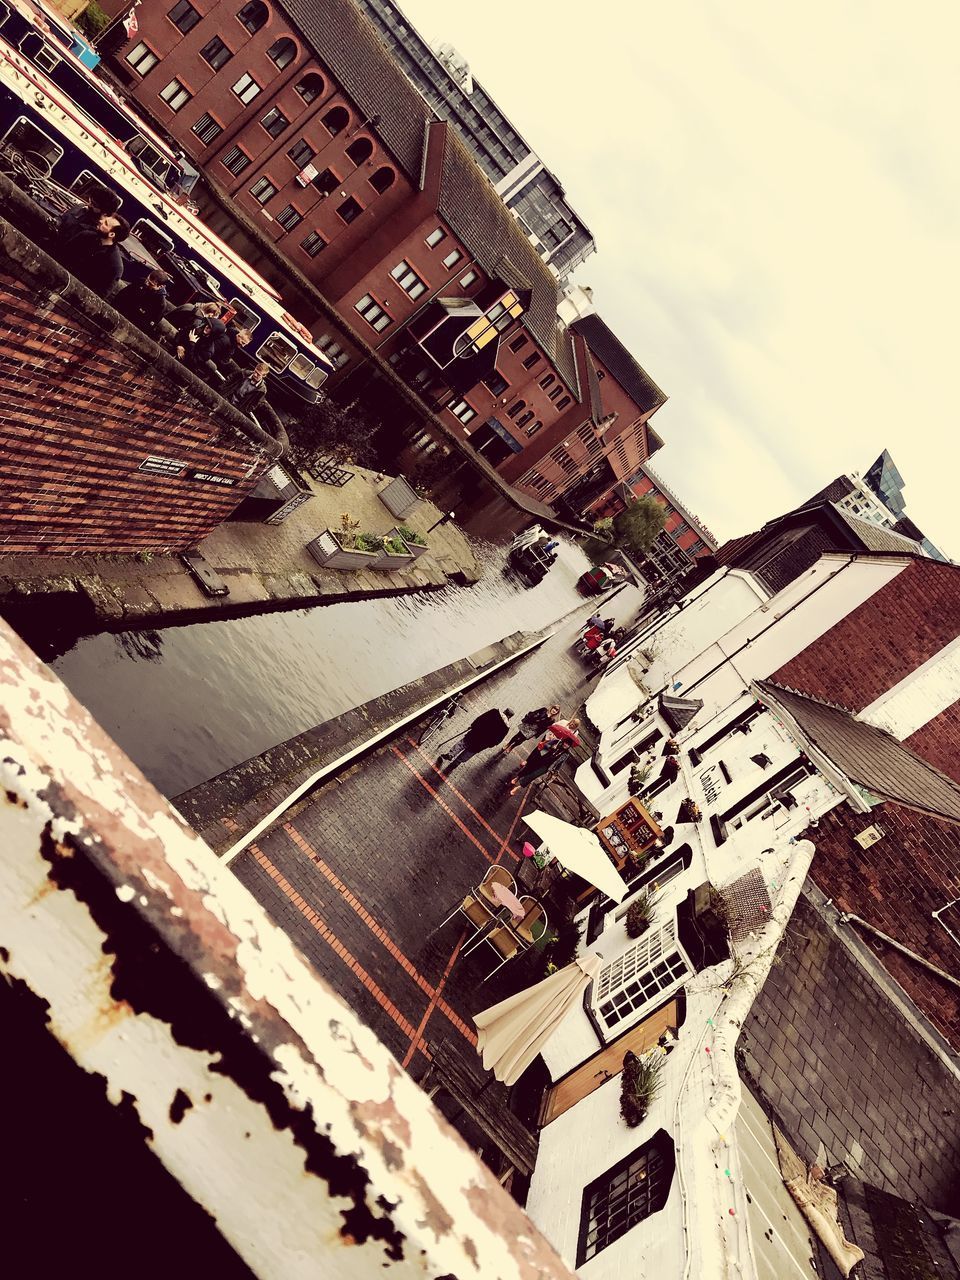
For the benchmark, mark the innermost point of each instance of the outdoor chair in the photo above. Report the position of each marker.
(495, 875)
(506, 945)
(475, 910)
(534, 923)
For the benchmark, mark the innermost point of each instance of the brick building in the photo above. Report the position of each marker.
(683, 539)
(309, 127)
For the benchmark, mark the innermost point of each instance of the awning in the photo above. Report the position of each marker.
(678, 712)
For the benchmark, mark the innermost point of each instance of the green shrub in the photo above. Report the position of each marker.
(640, 1083)
(409, 535)
(93, 21)
(368, 542)
(640, 912)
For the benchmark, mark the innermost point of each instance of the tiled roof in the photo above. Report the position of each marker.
(348, 42)
(875, 537)
(639, 386)
(565, 360)
(593, 385)
(870, 756)
(489, 230)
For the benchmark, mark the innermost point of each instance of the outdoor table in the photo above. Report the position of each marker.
(507, 899)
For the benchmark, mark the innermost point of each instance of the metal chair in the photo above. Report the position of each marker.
(506, 944)
(534, 918)
(496, 875)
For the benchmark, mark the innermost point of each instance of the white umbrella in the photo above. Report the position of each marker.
(513, 1032)
(579, 851)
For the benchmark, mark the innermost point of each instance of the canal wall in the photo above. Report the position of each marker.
(232, 804)
(91, 412)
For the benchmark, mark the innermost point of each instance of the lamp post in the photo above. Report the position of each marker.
(444, 519)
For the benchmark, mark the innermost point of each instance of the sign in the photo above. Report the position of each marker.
(306, 175)
(162, 466)
(211, 477)
(711, 784)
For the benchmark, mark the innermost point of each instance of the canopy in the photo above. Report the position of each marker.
(579, 851)
(512, 1033)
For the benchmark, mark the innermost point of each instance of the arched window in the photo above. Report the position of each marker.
(562, 404)
(547, 381)
(524, 418)
(515, 408)
(282, 52)
(310, 87)
(382, 180)
(253, 16)
(336, 120)
(360, 150)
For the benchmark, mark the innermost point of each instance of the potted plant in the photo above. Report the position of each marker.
(689, 811)
(639, 773)
(640, 913)
(347, 547)
(394, 553)
(640, 1083)
(416, 542)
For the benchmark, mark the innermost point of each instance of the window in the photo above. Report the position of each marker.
(518, 343)
(373, 313)
(282, 52)
(236, 160)
(515, 408)
(349, 210)
(408, 280)
(246, 88)
(277, 352)
(764, 802)
(470, 278)
(274, 122)
(452, 258)
(336, 120)
(525, 418)
(310, 87)
(531, 360)
(639, 975)
(47, 60)
(175, 95)
(562, 404)
(184, 16)
(142, 58)
(496, 383)
(89, 186)
(253, 16)
(332, 350)
(313, 243)
(382, 180)
(532, 430)
(556, 392)
(216, 53)
(460, 409)
(360, 150)
(263, 190)
(634, 1189)
(207, 128)
(435, 236)
(326, 181)
(548, 381)
(245, 318)
(289, 218)
(301, 153)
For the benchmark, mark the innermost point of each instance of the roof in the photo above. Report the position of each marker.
(869, 756)
(678, 712)
(565, 359)
(483, 222)
(601, 340)
(874, 536)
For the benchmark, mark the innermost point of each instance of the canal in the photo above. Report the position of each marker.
(186, 703)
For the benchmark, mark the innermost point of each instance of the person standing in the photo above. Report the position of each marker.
(486, 732)
(539, 762)
(144, 303)
(533, 725)
(246, 391)
(93, 256)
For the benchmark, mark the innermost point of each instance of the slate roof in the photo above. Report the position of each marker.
(870, 756)
(678, 712)
(565, 360)
(875, 537)
(601, 339)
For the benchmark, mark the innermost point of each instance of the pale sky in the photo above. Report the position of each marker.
(775, 195)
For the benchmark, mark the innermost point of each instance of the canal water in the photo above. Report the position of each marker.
(186, 703)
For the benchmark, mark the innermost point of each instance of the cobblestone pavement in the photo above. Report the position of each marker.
(364, 874)
(843, 1070)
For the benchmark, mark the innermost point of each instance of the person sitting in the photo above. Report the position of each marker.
(144, 303)
(93, 256)
(199, 347)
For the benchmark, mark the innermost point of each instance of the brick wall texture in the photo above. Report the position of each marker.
(939, 741)
(79, 413)
(883, 640)
(895, 885)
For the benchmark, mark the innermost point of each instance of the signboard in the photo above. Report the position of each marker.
(162, 466)
(211, 477)
(306, 175)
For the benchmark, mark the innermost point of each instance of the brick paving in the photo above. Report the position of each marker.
(841, 1068)
(363, 875)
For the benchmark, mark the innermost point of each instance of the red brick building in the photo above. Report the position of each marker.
(683, 539)
(301, 117)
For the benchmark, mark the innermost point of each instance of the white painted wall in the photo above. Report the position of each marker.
(920, 696)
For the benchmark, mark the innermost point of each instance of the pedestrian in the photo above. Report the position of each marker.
(601, 658)
(84, 217)
(545, 757)
(562, 731)
(144, 303)
(592, 639)
(533, 724)
(595, 621)
(93, 256)
(246, 391)
(486, 732)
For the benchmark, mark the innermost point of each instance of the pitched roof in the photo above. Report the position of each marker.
(678, 712)
(869, 756)
(639, 386)
(874, 536)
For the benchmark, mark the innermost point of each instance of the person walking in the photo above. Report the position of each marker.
(539, 762)
(144, 303)
(93, 256)
(486, 732)
(533, 725)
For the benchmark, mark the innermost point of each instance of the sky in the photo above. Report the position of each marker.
(775, 195)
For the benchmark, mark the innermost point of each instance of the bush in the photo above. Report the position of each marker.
(640, 912)
(640, 1083)
(409, 535)
(93, 21)
(563, 949)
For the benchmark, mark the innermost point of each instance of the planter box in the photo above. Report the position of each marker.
(416, 549)
(387, 559)
(398, 497)
(328, 551)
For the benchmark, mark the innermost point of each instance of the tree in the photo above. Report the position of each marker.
(636, 529)
(327, 430)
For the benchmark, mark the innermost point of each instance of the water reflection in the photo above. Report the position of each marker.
(191, 701)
